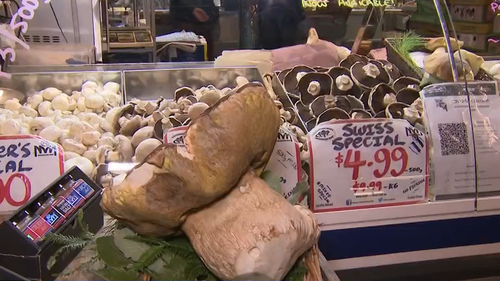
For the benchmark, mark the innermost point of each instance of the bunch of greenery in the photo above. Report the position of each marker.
(129, 256)
(406, 43)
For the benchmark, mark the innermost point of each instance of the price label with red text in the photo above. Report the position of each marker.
(28, 164)
(176, 135)
(285, 162)
(367, 163)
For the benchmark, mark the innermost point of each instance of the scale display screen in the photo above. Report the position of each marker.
(62, 208)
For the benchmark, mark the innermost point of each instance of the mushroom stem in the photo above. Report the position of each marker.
(300, 75)
(344, 83)
(389, 98)
(314, 88)
(371, 70)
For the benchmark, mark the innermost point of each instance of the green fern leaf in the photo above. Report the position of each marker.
(64, 250)
(146, 240)
(181, 246)
(110, 253)
(300, 190)
(272, 180)
(149, 257)
(60, 239)
(297, 272)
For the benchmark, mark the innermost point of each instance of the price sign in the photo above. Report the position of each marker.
(176, 135)
(285, 161)
(27, 165)
(367, 163)
(19, 23)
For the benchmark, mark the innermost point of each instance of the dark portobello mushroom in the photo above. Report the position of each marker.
(406, 82)
(342, 78)
(314, 84)
(396, 110)
(320, 69)
(391, 69)
(303, 111)
(369, 75)
(282, 74)
(381, 114)
(332, 114)
(355, 102)
(184, 92)
(407, 95)
(290, 82)
(364, 99)
(380, 97)
(322, 103)
(352, 59)
(360, 114)
(311, 124)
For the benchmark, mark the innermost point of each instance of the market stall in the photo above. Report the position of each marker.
(391, 158)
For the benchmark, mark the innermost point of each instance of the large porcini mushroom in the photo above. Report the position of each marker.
(475, 62)
(253, 233)
(156, 196)
(438, 63)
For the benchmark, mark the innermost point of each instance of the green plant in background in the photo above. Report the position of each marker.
(406, 43)
(124, 255)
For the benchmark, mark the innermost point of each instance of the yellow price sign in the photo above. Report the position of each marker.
(365, 3)
(314, 4)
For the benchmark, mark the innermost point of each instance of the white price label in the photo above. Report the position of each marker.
(285, 162)
(367, 163)
(28, 164)
(176, 135)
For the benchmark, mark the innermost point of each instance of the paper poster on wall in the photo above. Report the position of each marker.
(28, 164)
(367, 163)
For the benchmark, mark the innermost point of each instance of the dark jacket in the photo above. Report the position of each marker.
(182, 10)
(279, 21)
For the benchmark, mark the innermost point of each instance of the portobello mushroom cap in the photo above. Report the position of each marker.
(314, 84)
(352, 59)
(369, 75)
(343, 83)
(354, 102)
(304, 111)
(310, 124)
(322, 103)
(360, 114)
(291, 82)
(391, 69)
(184, 92)
(172, 182)
(364, 99)
(396, 110)
(282, 74)
(407, 95)
(320, 69)
(332, 114)
(406, 82)
(380, 97)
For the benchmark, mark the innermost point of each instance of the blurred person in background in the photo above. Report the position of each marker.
(198, 16)
(279, 23)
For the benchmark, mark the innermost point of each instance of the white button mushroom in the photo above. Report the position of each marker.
(40, 123)
(81, 162)
(90, 138)
(145, 148)
(34, 101)
(12, 104)
(94, 102)
(73, 145)
(51, 133)
(45, 109)
(61, 102)
(112, 87)
(50, 93)
(10, 127)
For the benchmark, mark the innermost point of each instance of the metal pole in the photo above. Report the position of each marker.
(446, 35)
(249, 24)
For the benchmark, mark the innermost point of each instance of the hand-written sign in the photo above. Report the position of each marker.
(27, 165)
(367, 163)
(284, 162)
(365, 3)
(25, 12)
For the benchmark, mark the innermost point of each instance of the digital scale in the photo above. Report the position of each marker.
(23, 250)
(129, 38)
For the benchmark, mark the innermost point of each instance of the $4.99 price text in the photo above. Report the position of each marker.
(394, 161)
(25, 12)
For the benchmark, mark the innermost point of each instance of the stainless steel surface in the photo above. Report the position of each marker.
(104, 21)
(371, 21)
(30, 83)
(153, 84)
(446, 34)
(107, 67)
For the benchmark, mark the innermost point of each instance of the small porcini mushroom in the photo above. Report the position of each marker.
(196, 109)
(73, 145)
(82, 163)
(439, 44)
(12, 104)
(130, 126)
(50, 93)
(142, 134)
(145, 148)
(51, 133)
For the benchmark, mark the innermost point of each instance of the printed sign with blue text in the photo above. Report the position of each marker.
(28, 164)
(367, 163)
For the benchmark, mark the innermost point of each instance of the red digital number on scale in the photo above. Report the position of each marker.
(6, 191)
(383, 156)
